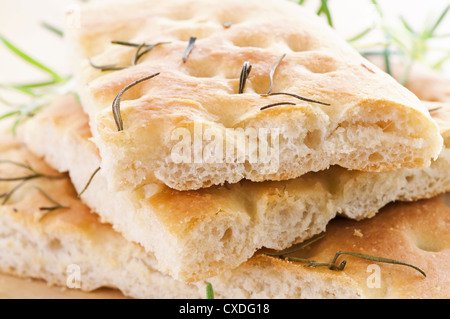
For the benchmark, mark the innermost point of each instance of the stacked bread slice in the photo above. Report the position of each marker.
(345, 140)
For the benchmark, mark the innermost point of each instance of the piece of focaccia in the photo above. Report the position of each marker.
(198, 234)
(189, 127)
(68, 246)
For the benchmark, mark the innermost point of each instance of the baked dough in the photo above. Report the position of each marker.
(198, 234)
(370, 124)
(52, 247)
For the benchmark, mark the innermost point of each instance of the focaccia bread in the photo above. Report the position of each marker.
(71, 248)
(198, 234)
(359, 117)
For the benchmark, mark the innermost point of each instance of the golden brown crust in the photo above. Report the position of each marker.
(416, 233)
(318, 65)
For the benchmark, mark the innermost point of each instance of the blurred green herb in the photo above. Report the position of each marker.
(52, 29)
(40, 94)
(413, 45)
(209, 291)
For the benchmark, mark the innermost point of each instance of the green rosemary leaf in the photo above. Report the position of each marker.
(19, 88)
(89, 181)
(276, 104)
(297, 96)
(15, 125)
(406, 25)
(377, 259)
(189, 48)
(300, 2)
(360, 35)
(52, 28)
(116, 102)
(378, 8)
(29, 59)
(209, 291)
(37, 85)
(440, 62)
(245, 71)
(325, 10)
(431, 31)
(272, 72)
(9, 114)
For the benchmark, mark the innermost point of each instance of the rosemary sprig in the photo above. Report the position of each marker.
(323, 9)
(89, 181)
(137, 56)
(33, 174)
(246, 68)
(272, 72)
(49, 209)
(377, 259)
(30, 60)
(333, 264)
(41, 93)
(189, 48)
(209, 291)
(116, 102)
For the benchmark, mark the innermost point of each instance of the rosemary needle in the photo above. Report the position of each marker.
(276, 104)
(107, 67)
(189, 48)
(246, 68)
(89, 181)
(116, 102)
(272, 72)
(49, 209)
(378, 259)
(297, 97)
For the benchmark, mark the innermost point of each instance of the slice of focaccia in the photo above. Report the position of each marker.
(46, 232)
(205, 118)
(198, 234)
